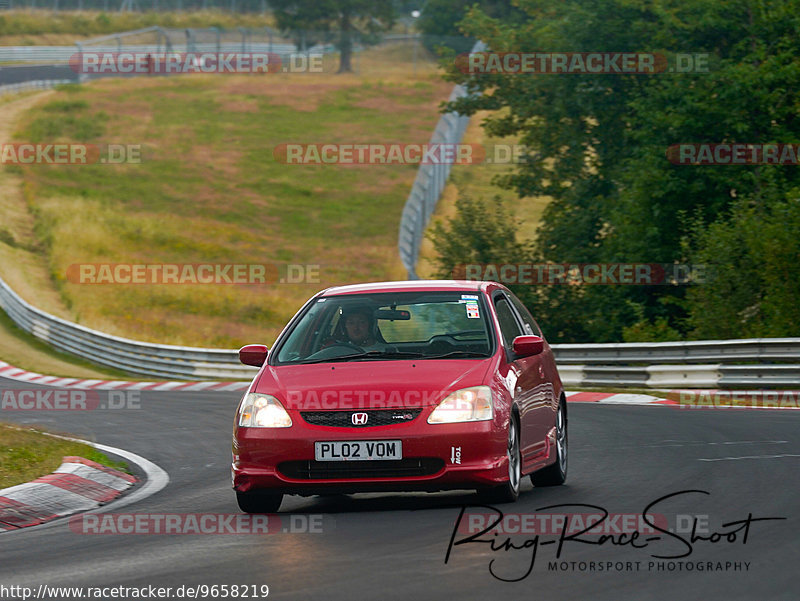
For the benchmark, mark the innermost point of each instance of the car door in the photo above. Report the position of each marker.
(523, 381)
(547, 360)
(532, 391)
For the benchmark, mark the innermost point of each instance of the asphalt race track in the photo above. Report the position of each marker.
(393, 546)
(23, 73)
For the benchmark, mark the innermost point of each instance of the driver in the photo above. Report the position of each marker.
(359, 326)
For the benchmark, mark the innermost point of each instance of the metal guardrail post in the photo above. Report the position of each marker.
(80, 75)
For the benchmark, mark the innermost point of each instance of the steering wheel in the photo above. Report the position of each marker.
(466, 333)
(443, 339)
(346, 345)
(441, 344)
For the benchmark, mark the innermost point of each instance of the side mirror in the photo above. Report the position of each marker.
(527, 346)
(253, 354)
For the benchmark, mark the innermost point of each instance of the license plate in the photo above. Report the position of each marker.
(358, 450)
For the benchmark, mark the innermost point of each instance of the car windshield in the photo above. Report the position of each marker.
(389, 326)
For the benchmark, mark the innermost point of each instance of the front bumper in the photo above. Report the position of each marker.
(451, 456)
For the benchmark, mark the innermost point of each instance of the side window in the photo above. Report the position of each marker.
(529, 324)
(509, 327)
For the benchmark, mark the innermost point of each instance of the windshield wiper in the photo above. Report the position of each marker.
(377, 354)
(410, 354)
(374, 354)
(457, 354)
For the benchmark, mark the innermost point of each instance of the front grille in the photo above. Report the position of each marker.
(346, 470)
(375, 417)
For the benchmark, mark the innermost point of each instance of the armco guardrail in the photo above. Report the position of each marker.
(156, 40)
(189, 363)
(694, 351)
(428, 185)
(61, 55)
(160, 360)
(41, 84)
(682, 376)
(692, 364)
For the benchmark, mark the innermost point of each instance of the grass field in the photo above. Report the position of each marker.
(26, 455)
(209, 190)
(42, 27)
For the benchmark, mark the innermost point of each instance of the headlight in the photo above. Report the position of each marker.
(465, 405)
(263, 411)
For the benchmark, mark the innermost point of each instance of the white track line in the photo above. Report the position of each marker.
(749, 457)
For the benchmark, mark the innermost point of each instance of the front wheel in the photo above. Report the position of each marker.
(259, 501)
(509, 491)
(556, 474)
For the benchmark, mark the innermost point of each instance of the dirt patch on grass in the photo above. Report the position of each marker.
(388, 98)
(215, 161)
(238, 105)
(130, 114)
(298, 92)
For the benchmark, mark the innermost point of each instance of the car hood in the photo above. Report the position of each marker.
(370, 384)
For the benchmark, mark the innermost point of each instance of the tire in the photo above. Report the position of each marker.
(556, 474)
(509, 491)
(259, 501)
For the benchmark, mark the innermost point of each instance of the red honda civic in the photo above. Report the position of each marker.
(401, 386)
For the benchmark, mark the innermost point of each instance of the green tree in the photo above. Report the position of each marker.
(439, 20)
(754, 275)
(479, 233)
(596, 143)
(349, 18)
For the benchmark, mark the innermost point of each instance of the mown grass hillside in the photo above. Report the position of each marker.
(209, 189)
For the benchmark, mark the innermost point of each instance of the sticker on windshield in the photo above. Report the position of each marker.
(469, 297)
(472, 311)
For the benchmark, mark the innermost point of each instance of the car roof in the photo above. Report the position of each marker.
(412, 286)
